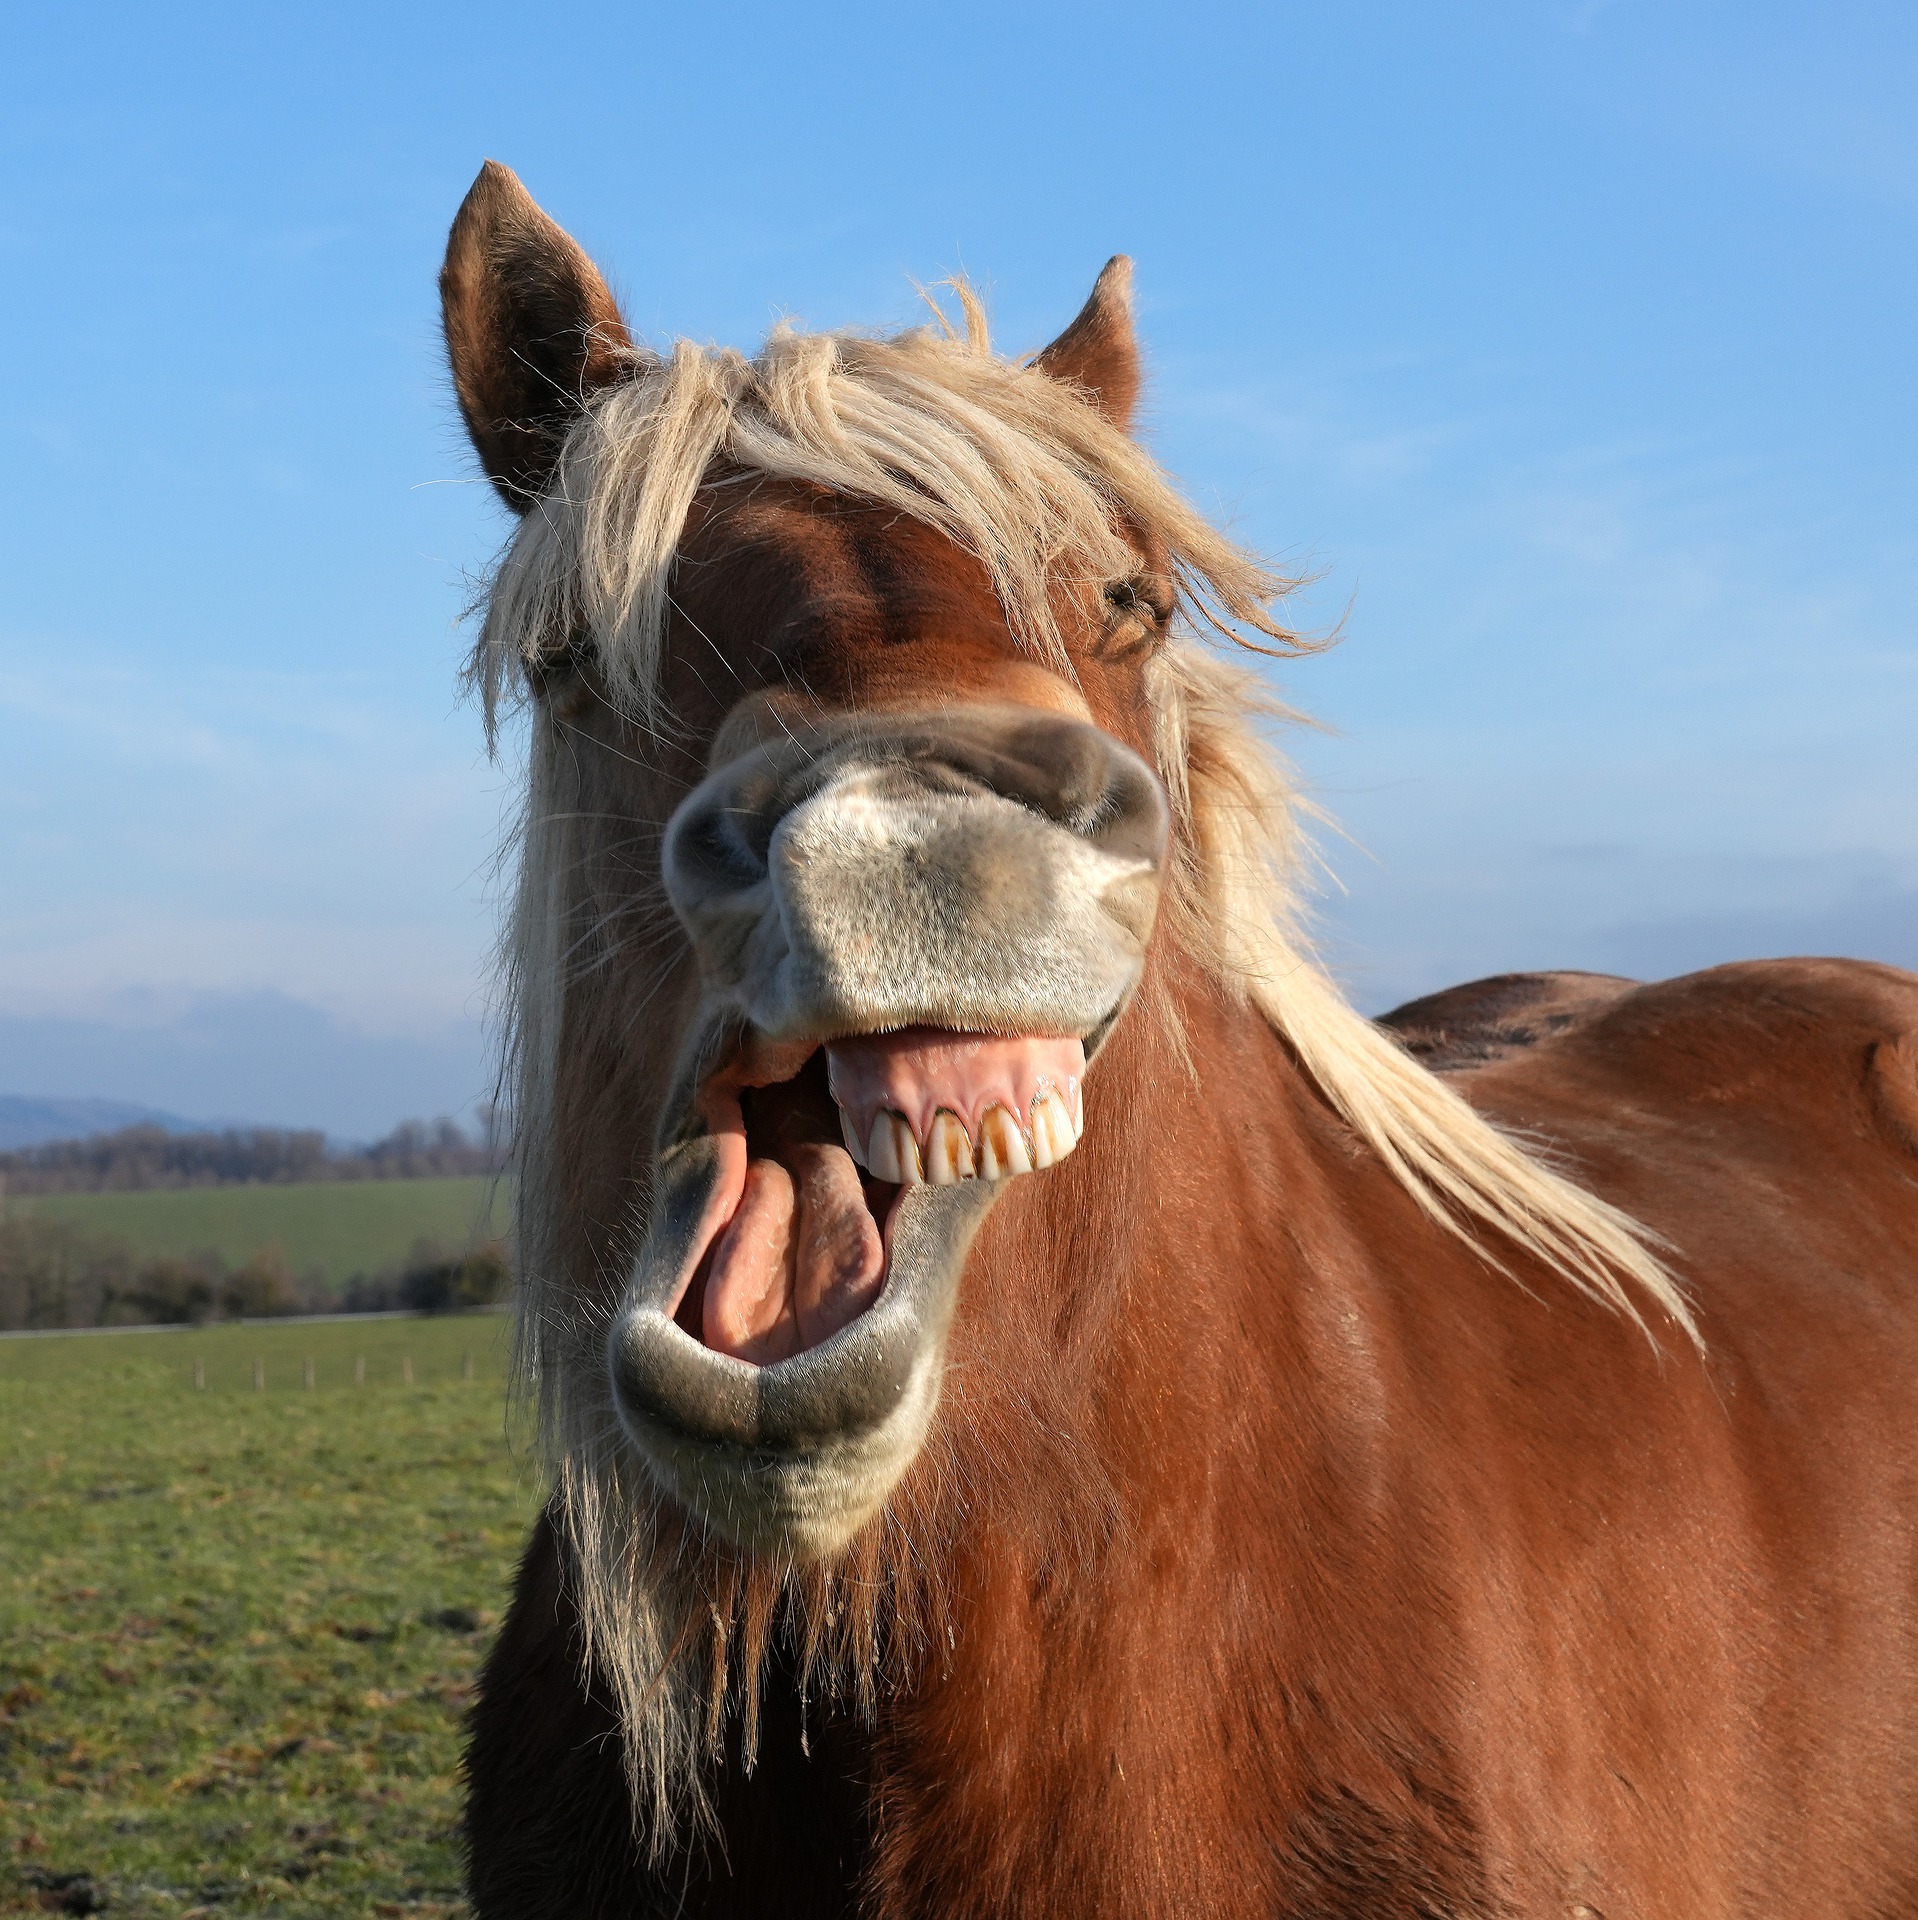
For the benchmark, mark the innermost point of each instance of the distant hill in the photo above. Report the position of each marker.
(142, 1157)
(30, 1120)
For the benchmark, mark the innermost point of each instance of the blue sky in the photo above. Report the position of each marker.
(1570, 344)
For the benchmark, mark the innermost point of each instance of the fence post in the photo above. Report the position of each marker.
(259, 1376)
(406, 1369)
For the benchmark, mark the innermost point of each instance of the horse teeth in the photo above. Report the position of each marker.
(892, 1153)
(948, 1150)
(1053, 1134)
(882, 1156)
(1002, 1147)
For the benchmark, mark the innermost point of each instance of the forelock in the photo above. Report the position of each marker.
(1019, 469)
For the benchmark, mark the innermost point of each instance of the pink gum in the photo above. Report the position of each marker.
(921, 1070)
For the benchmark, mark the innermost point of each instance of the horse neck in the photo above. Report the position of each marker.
(1175, 1413)
(1196, 1257)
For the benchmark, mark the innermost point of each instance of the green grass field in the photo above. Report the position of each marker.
(343, 1227)
(238, 1627)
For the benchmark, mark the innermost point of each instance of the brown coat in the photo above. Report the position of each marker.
(1357, 1578)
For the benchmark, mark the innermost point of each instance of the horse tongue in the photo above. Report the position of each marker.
(748, 1309)
(840, 1261)
(800, 1258)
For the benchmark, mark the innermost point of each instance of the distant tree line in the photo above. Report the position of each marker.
(139, 1158)
(53, 1274)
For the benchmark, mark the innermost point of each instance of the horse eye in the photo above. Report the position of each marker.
(1138, 598)
(548, 672)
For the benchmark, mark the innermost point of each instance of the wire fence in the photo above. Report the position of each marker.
(380, 1370)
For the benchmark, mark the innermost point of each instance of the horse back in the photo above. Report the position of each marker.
(1762, 1120)
(1755, 1115)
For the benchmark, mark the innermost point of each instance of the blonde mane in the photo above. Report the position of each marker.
(1027, 477)
(1020, 471)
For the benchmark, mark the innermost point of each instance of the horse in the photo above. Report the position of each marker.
(1048, 1410)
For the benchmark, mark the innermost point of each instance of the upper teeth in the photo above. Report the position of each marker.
(1002, 1146)
(948, 1150)
(892, 1151)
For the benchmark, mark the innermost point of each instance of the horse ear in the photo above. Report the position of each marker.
(531, 330)
(1099, 352)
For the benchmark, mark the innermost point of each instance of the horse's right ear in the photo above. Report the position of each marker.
(531, 330)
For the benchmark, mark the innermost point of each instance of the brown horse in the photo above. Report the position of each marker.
(1050, 1412)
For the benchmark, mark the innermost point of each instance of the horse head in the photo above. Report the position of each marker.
(849, 795)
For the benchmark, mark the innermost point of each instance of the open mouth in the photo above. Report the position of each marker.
(815, 1151)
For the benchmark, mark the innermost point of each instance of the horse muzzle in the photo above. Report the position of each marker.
(914, 932)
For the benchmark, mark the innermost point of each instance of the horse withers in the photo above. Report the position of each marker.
(1049, 1412)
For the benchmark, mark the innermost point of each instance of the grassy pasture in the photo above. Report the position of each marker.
(343, 1227)
(238, 1628)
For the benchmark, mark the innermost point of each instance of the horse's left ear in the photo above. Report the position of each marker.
(1099, 352)
(531, 329)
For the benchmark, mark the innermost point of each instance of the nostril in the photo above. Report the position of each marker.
(715, 845)
(1133, 820)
